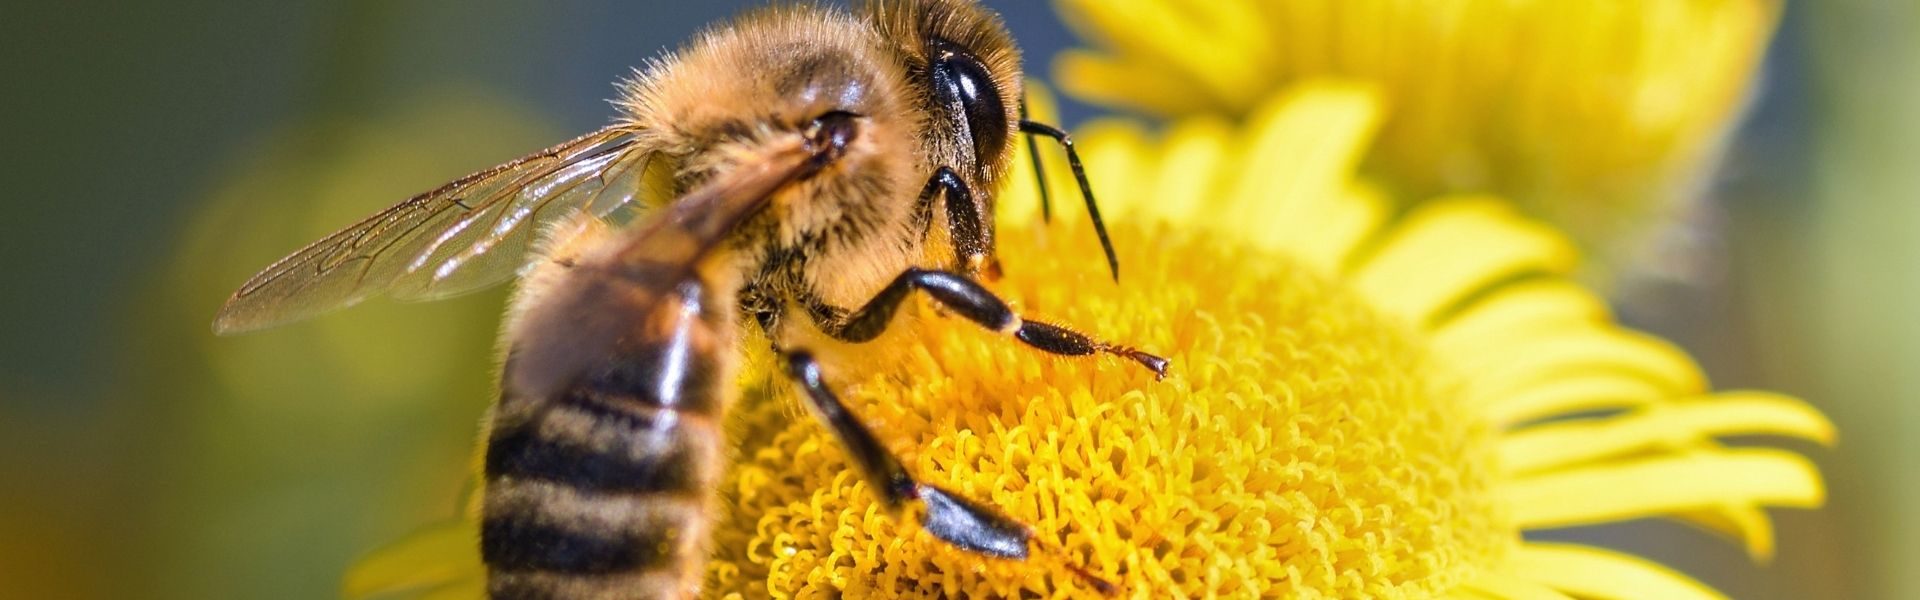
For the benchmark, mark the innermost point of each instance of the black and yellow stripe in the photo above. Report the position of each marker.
(604, 488)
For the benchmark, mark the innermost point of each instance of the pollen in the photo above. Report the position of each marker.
(1303, 441)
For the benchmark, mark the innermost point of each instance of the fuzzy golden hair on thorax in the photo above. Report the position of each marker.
(769, 75)
(771, 71)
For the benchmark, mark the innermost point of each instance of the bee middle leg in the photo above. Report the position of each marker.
(971, 300)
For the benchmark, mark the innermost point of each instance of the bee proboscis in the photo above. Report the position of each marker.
(796, 163)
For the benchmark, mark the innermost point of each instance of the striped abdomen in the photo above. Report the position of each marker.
(600, 484)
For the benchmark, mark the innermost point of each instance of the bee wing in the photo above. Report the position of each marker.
(466, 235)
(689, 228)
(656, 261)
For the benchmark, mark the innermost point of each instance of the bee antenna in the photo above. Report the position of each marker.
(1039, 167)
(1080, 176)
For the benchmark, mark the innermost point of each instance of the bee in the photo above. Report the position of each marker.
(801, 162)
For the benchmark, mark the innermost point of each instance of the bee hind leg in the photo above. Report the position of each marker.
(950, 517)
(971, 300)
(956, 520)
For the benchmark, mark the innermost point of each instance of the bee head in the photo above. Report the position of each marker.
(964, 72)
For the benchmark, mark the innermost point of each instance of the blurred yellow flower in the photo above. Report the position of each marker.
(1360, 405)
(1602, 117)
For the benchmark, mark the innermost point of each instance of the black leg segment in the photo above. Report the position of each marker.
(1079, 176)
(971, 300)
(1039, 168)
(965, 524)
(972, 240)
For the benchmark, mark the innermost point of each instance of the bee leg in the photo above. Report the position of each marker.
(973, 301)
(952, 518)
(1039, 168)
(1033, 128)
(949, 516)
(763, 306)
(966, 226)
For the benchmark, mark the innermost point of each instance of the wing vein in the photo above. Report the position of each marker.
(391, 250)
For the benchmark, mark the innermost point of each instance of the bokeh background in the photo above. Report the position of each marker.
(155, 154)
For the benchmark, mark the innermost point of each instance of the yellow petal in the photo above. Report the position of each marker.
(438, 556)
(1603, 575)
(1510, 312)
(1505, 586)
(1745, 523)
(1104, 80)
(1663, 486)
(1019, 196)
(1581, 392)
(1340, 228)
(1449, 250)
(1556, 355)
(1185, 184)
(1118, 159)
(1302, 148)
(1603, 116)
(1219, 65)
(1556, 445)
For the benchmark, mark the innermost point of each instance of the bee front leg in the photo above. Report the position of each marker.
(967, 225)
(973, 301)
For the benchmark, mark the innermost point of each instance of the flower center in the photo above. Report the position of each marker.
(1303, 444)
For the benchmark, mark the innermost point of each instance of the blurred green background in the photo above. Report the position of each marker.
(158, 153)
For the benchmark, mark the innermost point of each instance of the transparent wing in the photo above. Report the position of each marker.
(656, 261)
(466, 235)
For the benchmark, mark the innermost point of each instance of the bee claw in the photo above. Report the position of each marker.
(1152, 362)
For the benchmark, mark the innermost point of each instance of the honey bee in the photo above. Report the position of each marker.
(800, 162)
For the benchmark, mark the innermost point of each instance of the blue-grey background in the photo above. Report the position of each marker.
(134, 463)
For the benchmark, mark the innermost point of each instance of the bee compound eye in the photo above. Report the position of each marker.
(966, 90)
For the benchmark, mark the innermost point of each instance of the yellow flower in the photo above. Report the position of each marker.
(1602, 117)
(1360, 405)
